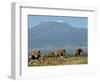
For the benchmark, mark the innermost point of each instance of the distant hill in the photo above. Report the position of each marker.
(54, 34)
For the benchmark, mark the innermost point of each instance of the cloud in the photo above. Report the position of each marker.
(59, 21)
(54, 20)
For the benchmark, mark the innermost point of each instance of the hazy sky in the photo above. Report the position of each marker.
(79, 22)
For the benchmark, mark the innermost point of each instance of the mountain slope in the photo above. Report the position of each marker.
(56, 34)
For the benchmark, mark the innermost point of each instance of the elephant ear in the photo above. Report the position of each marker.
(81, 49)
(39, 51)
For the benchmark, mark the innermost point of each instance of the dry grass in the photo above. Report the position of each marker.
(60, 61)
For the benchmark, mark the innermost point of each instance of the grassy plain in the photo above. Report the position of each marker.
(60, 61)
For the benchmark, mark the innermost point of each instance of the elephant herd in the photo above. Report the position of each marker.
(59, 53)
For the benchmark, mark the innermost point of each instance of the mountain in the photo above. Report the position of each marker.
(53, 34)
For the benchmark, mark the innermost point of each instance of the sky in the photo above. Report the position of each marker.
(78, 22)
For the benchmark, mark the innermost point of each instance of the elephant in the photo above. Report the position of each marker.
(77, 52)
(36, 54)
(60, 52)
(50, 54)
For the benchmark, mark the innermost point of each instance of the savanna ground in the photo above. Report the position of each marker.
(60, 61)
